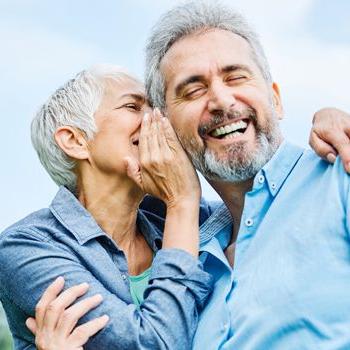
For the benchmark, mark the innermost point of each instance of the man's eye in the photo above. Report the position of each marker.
(194, 92)
(236, 78)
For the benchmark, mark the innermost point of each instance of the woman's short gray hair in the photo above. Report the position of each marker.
(186, 19)
(74, 104)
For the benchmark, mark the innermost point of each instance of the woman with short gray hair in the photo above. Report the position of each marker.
(139, 288)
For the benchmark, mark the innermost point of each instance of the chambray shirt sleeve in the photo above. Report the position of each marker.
(155, 210)
(167, 319)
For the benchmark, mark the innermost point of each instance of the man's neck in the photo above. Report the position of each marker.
(233, 195)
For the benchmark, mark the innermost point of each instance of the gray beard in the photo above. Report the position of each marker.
(240, 164)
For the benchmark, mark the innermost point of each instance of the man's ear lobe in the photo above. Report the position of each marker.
(277, 102)
(72, 142)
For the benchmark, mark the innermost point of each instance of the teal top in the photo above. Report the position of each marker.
(138, 285)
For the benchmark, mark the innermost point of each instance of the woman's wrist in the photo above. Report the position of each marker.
(185, 202)
(181, 226)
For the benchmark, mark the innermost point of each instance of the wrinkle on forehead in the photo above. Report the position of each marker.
(184, 56)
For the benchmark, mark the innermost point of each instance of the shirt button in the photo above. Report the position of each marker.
(261, 179)
(273, 186)
(249, 222)
(124, 277)
(224, 328)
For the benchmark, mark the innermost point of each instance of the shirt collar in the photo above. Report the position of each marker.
(76, 219)
(214, 224)
(275, 171)
(280, 166)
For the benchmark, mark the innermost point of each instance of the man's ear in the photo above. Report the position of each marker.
(72, 142)
(276, 99)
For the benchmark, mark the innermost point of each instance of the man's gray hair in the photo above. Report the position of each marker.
(187, 19)
(74, 104)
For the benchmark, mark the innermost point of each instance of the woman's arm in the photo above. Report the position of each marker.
(167, 319)
(165, 171)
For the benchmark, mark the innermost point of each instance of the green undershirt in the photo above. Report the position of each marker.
(138, 285)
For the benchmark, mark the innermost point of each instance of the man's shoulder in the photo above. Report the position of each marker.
(312, 174)
(314, 165)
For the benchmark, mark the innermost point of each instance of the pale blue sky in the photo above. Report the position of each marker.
(44, 43)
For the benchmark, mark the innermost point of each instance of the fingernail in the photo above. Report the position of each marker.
(59, 279)
(105, 318)
(85, 285)
(331, 157)
(98, 297)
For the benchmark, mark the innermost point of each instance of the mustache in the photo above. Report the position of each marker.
(224, 116)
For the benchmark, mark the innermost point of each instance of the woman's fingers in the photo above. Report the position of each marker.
(31, 324)
(165, 150)
(71, 316)
(56, 307)
(322, 148)
(133, 170)
(143, 138)
(49, 295)
(82, 333)
(170, 133)
(153, 139)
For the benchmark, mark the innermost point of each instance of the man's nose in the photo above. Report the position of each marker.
(221, 98)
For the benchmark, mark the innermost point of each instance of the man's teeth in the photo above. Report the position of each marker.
(227, 129)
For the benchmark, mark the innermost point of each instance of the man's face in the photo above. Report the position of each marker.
(225, 114)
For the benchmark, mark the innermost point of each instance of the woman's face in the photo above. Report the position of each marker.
(118, 121)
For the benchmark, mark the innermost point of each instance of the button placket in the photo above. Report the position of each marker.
(249, 222)
(261, 179)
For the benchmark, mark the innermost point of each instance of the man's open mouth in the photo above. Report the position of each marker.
(135, 142)
(230, 130)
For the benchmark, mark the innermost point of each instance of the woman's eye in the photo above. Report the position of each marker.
(133, 106)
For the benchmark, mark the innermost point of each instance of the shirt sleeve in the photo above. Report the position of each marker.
(155, 210)
(167, 319)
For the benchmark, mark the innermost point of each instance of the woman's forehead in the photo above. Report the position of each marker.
(125, 86)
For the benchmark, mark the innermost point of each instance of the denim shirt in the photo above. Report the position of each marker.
(64, 240)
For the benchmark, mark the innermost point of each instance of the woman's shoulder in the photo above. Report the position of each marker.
(36, 224)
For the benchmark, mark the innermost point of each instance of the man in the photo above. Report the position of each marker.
(279, 249)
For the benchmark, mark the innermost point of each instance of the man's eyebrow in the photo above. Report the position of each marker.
(189, 80)
(137, 97)
(235, 67)
(201, 78)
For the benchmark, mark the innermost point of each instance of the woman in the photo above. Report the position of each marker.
(100, 142)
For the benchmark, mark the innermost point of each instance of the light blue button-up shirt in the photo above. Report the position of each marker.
(290, 287)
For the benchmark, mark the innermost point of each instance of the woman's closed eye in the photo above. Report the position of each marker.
(133, 106)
